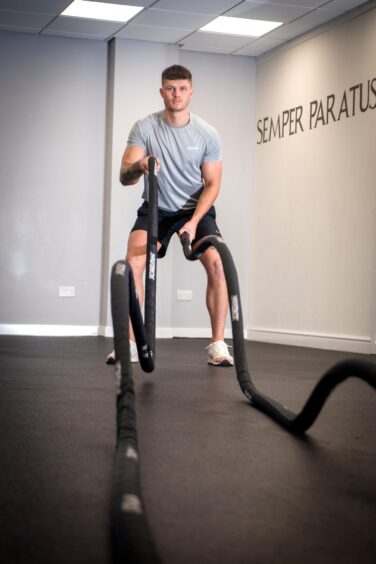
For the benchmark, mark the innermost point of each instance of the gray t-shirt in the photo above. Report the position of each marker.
(181, 151)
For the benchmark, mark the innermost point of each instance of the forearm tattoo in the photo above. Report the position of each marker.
(130, 173)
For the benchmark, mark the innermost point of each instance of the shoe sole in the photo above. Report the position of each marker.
(113, 361)
(220, 363)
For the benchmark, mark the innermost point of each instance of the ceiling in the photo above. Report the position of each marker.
(178, 21)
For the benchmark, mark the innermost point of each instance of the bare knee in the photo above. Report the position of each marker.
(213, 266)
(136, 252)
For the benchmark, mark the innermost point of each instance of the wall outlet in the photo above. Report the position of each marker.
(67, 291)
(184, 295)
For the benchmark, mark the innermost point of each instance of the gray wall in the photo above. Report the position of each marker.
(313, 209)
(298, 212)
(67, 106)
(52, 115)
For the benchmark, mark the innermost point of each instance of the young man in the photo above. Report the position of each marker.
(189, 166)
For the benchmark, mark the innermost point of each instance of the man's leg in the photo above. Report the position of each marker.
(217, 304)
(216, 292)
(136, 256)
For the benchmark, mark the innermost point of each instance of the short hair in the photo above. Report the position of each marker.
(176, 72)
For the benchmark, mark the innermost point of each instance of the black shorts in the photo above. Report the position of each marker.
(171, 222)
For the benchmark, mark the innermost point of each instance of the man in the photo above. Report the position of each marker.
(189, 167)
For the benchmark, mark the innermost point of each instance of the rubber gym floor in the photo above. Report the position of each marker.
(222, 483)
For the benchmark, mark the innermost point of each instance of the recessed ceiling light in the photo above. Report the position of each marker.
(101, 11)
(240, 26)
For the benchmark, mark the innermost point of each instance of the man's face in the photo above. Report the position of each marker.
(176, 94)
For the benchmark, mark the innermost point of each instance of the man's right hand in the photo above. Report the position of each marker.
(144, 164)
(134, 164)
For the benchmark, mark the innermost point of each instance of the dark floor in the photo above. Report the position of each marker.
(222, 483)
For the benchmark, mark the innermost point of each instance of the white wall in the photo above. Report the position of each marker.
(52, 115)
(313, 209)
(223, 95)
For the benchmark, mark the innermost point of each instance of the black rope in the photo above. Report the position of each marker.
(296, 423)
(132, 539)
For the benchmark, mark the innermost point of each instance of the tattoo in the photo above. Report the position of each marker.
(130, 173)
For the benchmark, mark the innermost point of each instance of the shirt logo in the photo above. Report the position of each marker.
(190, 148)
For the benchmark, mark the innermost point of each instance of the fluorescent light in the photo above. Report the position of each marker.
(240, 26)
(101, 11)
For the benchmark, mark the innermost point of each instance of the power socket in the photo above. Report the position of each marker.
(67, 291)
(184, 295)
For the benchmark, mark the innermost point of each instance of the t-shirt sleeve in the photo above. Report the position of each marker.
(135, 137)
(213, 151)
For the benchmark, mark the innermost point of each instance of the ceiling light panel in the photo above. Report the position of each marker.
(101, 11)
(240, 26)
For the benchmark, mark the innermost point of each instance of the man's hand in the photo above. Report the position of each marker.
(144, 164)
(190, 228)
(211, 172)
(134, 164)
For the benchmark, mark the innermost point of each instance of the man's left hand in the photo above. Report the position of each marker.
(190, 228)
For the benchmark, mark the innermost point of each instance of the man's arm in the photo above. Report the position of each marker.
(212, 174)
(133, 165)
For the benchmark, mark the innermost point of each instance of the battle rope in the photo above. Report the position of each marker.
(295, 423)
(131, 534)
(132, 539)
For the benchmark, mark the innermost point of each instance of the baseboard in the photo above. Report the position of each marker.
(105, 331)
(50, 330)
(171, 332)
(160, 332)
(198, 332)
(344, 343)
(102, 330)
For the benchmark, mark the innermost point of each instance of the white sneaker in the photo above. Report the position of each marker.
(219, 355)
(133, 350)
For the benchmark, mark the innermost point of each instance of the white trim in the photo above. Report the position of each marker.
(373, 346)
(164, 333)
(105, 331)
(346, 343)
(199, 333)
(102, 330)
(171, 332)
(50, 330)
(160, 332)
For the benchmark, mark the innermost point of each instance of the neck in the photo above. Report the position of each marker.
(178, 119)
